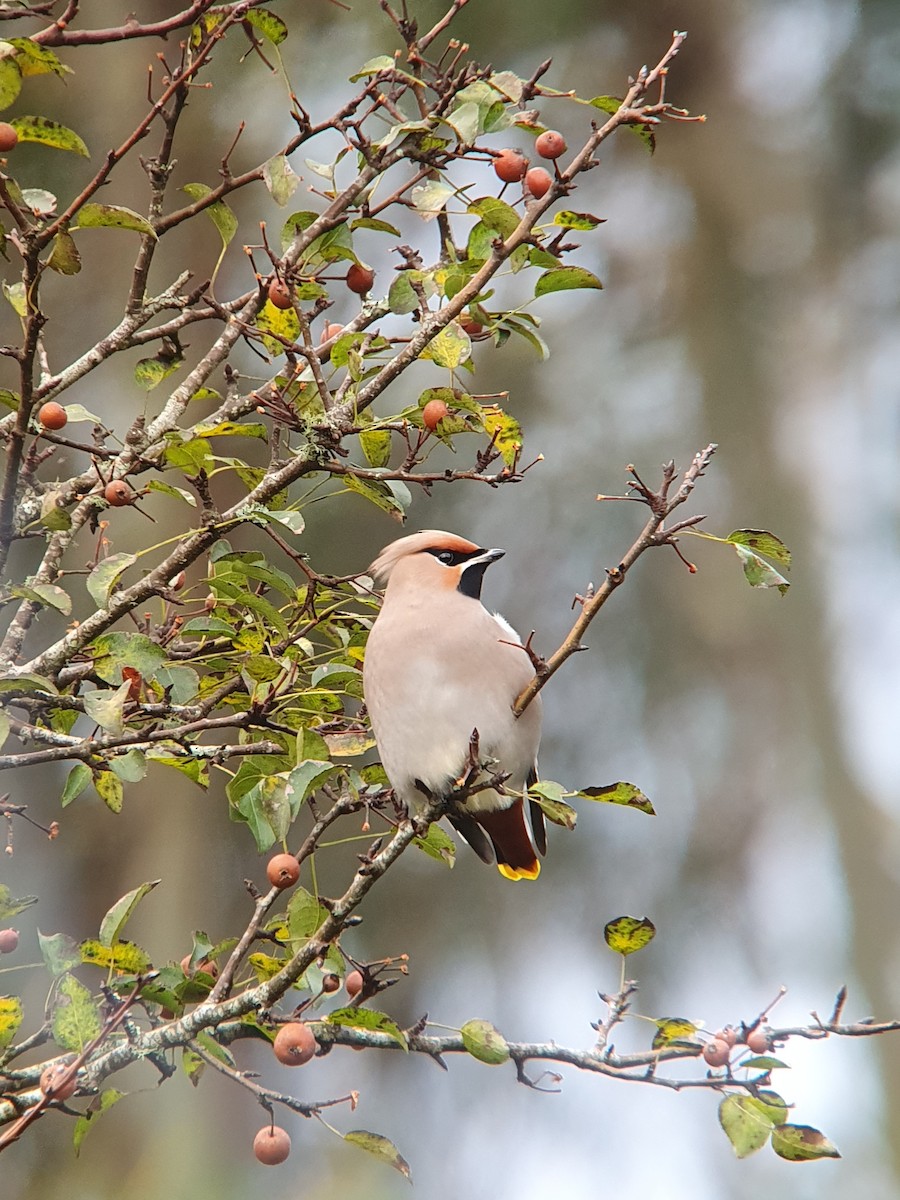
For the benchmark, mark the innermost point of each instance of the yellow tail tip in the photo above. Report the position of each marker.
(530, 872)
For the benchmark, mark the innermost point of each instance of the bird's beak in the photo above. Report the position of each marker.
(489, 556)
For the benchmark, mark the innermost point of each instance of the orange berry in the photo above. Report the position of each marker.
(272, 1145)
(51, 1082)
(294, 1044)
(9, 939)
(510, 165)
(360, 279)
(758, 1040)
(550, 144)
(433, 413)
(9, 136)
(280, 294)
(538, 182)
(52, 415)
(118, 493)
(354, 983)
(283, 870)
(717, 1053)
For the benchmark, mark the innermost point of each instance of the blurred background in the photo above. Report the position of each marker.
(752, 275)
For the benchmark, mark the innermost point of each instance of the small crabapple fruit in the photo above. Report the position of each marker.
(9, 940)
(716, 1053)
(294, 1044)
(280, 294)
(272, 1145)
(54, 1086)
(117, 493)
(510, 165)
(9, 137)
(360, 279)
(550, 144)
(538, 182)
(758, 1040)
(433, 413)
(354, 983)
(283, 870)
(52, 415)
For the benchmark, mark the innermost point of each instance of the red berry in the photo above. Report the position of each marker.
(360, 279)
(280, 294)
(118, 493)
(330, 983)
(550, 144)
(758, 1040)
(538, 182)
(294, 1044)
(8, 136)
(510, 165)
(272, 1145)
(433, 413)
(9, 939)
(52, 415)
(717, 1053)
(283, 870)
(354, 983)
(52, 1085)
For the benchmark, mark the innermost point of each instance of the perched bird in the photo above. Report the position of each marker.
(439, 666)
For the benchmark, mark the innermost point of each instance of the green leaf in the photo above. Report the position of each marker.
(305, 778)
(252, 429)
(438, 844)
(191, 456)
(485, 1043)
(10, 81)
(431, 198)
(619, 793)
(746, 1123)
(76, 781)
(15, 293)
(107, 708)
(10, 906)
(764, 1062)
(280, 179)
(465, 121)
(373, 223)
(131, 767)
(390, 495)
(11, 1014)
(268, 24)
(53, 515)
(549, 796)
(562, 279)
(113, 651)
(625, 935)
(496, 215)
(9, 399)
(369, 1020)
(381, 1147)
(103, 578)
(27, 683)
(58, 137)
(802, 1143)
(573, 220)
(296, 223)
(112, 216)
(47, 594)
(674, 1031)
(374, 66)
(59, 952)
(762, 542)
(449, 348)
(34, 59)
(77, 412)
(64, 257)
(283, 323)
(402, 297)
(759, 573)
(124, 957)
(376, 445)
(76, 1021)
(150, 372)
(86, 1122)
(167, 489)
(221, 216)
(109, 788)
(505, 431)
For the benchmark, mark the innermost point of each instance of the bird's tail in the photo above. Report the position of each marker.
(512, 841)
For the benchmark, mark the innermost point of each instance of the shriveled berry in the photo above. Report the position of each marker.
(52, 415)
(272, 1145)
(294, 1044)
(330, 983)
(9, 137)
(280, 294)
(716, 1053)
(283, 870)
(538, 182)
(52, 1084)
(9, 940)
(354, 983)
(360, 279)
(550, 144)
(510, 165)
(433, 413)
(118, 493)
(758, 1040)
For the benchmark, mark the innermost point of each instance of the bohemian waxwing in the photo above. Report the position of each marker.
(438, 665)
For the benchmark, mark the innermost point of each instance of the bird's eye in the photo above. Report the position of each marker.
(446, 557)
